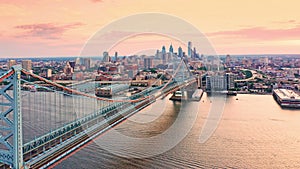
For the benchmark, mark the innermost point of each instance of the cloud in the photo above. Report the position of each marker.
(291, 21)
(96, 0)
(13, 48)
(260, 33)
(45, 30)
(8, 10)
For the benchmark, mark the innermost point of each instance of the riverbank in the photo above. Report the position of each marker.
(254, 93)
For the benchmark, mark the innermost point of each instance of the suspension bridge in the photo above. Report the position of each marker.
(40, 127)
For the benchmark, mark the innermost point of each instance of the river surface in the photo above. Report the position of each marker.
(254, 132)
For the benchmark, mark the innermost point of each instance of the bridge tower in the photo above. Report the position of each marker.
(11, 136)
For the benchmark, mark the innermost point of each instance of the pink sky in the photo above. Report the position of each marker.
(61, 28)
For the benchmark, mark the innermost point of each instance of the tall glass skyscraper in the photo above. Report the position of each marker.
(189, 48)
(163, 50)
(171, 49)
(180, 52)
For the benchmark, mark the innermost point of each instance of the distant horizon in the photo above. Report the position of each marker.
(78, 56)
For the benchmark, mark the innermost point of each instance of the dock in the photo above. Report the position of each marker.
(187, 95)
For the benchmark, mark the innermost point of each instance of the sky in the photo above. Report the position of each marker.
(62, 28)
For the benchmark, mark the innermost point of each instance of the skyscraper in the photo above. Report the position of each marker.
(194, 54)
(77, 61)
(26, 64)
(230, 80)
(189, 48)
(220, 82)
(157, 53)
(164, 57)
(87, 63)
(105, 57)
(180, 52)
(171, 48)
(116, 56)
(72, 64)
(148, 63)
(216, 83)
(163, 50)
(68, 70)
(228, 59)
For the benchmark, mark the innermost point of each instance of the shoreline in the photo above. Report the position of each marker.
(249, 93)
(256, 93)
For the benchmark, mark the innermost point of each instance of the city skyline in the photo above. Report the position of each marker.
(230, 26)
(149, 84)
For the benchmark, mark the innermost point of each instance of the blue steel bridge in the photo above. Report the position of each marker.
(39, 127)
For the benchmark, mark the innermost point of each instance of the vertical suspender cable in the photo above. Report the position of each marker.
(50, 110)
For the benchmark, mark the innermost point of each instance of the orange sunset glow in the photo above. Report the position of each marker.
(61, 28)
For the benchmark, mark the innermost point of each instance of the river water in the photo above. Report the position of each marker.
(254, 132)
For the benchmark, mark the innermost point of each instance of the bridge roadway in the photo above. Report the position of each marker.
(51, 147)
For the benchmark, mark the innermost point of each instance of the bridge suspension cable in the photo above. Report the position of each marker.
(78, 92)
(6, 75)
(100, 98)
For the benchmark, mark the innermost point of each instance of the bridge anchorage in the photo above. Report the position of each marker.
(53, 120)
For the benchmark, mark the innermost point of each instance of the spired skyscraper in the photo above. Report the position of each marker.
(171, 48)
(163, 50)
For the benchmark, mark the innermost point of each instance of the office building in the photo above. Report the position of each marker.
(216, 83)
(230, 80)
(11, 63)
(190, 49)
(49, 73)
(228, 59)
(163, 50)
(68, 70)
(116, 56)
(194, 53)
(26, 64)
(72, 64)
(180, 52)
(171, 49)
(77, 61)
(106, 57)
(148, 63)
(87, 63)
(220, 82)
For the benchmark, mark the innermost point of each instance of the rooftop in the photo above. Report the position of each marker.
(287, 94)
